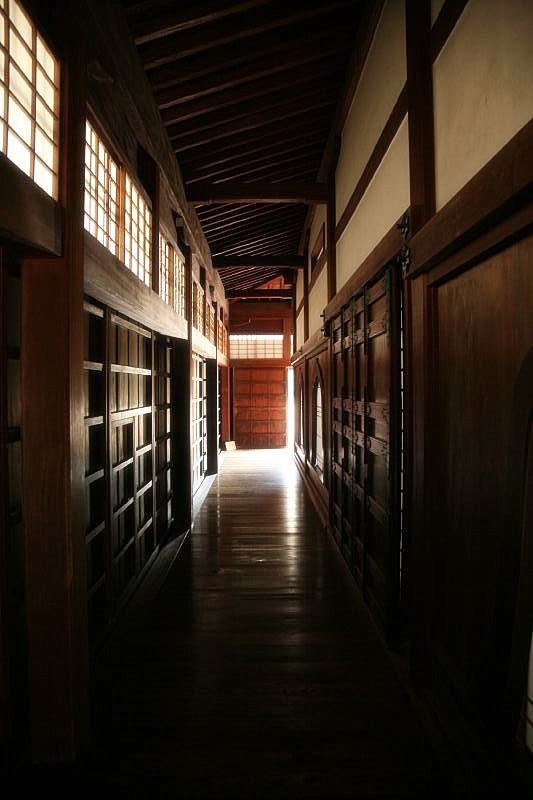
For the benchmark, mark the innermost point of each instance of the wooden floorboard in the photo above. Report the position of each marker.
(254, 671)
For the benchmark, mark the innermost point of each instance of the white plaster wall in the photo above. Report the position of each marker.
(483, 89)
(381, 82)
(300, 329)
(384, 201)
(318, 300)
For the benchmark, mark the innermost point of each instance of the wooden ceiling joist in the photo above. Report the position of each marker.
(259, 294)
(263, 262)
(269, 47)
(184, 43)
(299, 76)
(308, 193)
(249, 72)
(154, 25)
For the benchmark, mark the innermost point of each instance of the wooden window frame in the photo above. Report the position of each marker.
(26, 96)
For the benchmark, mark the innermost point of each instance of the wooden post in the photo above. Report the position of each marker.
(181, 411)
(420, 112)
(331, 244)
(212, 415)
(53, 461)
(306, 294)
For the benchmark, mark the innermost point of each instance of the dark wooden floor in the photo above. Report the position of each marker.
(254, 671)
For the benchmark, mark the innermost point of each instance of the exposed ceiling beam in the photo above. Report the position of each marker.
(231, 77)
(153, 25)
(262, 262)
(259, 294)
(313, 193)
(185, 43)
(318, 93)
(229, 129)
(271, 47)
(298, 76)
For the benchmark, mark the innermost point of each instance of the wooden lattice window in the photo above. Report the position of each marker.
(256, 345)
(317, 452)
(101, 192)
(198, 307)
(137, 233)
(29, 98)
(179, 283)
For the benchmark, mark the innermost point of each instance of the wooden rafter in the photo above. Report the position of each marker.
(200, 194)
(279, 262)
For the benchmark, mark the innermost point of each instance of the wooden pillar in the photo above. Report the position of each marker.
(181, 410)
(294, 317)
(420, 112)
(53, 460)
(331, 245)
(419, 345)
(212, 415)
(306, 293)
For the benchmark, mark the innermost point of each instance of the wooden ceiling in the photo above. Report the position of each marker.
(247, 90)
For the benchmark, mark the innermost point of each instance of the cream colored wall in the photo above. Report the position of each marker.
(384, 201)
(381, 82)
(483, 89)
(318, 299)
(300, 330)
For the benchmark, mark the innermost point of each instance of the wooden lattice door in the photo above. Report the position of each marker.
(366, 441)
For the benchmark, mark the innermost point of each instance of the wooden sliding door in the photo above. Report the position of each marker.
(127, 456)
(260, 406)
(366, 441)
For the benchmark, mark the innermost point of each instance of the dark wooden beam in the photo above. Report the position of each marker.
(313, 193)
(298, 75)
(259, 294)
(313, 96)
(230, 77)
(154, 25)
(185, 43)
(271, 47)
(229, 129)
(264, 262)
(420, 112)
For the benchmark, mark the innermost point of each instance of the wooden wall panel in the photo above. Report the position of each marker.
(484, 331)
(13, 645)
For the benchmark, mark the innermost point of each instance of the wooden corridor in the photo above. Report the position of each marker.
(253, 669)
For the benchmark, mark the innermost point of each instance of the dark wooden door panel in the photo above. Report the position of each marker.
(260, 407)
(365, 441)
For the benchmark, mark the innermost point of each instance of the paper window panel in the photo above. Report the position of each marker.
(165, 278)
(101, 192)
(29, 98)
(179, 284)
(256, 345)
(138, 233)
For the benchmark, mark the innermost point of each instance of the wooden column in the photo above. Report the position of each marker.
(294, 318)
(212, 416)
(181, 410)
(331, 244)
(53, 460)
(306, 294)
(420, 111)
(419, 350)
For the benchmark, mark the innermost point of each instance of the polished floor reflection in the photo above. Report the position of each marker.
(253, 670)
